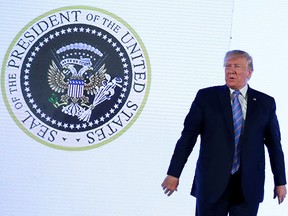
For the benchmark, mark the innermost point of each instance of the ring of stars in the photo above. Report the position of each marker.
(49, 38)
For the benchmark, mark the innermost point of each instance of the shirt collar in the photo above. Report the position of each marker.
(243, 90)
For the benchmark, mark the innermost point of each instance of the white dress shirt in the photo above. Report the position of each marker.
(242, 99)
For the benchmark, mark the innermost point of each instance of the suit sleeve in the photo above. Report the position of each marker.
(186, 143)
(273, 143)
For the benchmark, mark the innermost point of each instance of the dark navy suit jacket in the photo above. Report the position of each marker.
(210, 116)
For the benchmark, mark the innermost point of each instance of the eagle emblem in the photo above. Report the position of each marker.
(75, 79)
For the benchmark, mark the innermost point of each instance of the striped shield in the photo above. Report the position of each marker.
(76, 88)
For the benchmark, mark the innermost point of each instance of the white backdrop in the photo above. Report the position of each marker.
(186, 42)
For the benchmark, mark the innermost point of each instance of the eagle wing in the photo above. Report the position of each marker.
(56, 79)
(96, 80)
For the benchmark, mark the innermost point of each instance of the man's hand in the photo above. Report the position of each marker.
(170, 184)
(280, 192)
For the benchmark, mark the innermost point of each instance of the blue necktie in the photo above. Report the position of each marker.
(237, 120)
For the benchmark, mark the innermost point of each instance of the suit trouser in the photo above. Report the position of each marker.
(231, 202)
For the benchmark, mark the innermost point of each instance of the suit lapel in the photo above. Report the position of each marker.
(224, 97)
(251, 108)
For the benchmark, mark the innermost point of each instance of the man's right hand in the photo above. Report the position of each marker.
(170, 184)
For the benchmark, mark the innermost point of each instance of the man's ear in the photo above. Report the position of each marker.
(249, 73)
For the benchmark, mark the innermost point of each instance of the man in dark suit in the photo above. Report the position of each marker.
(234, 122)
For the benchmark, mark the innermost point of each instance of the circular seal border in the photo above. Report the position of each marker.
(108, 140)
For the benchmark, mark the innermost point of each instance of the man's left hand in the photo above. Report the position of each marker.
(280, 192)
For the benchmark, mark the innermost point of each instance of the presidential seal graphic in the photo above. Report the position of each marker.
(76, 78)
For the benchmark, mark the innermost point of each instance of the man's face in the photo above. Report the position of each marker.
(237, 72)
